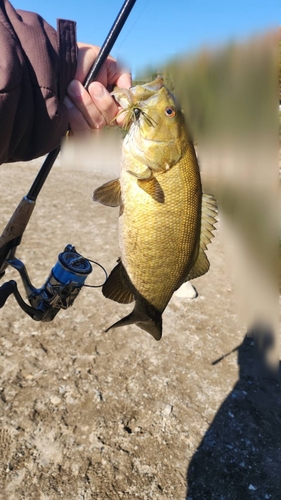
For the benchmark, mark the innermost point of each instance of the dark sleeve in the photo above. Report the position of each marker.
(36, 64)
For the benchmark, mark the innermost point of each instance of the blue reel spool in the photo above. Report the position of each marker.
(71, 267)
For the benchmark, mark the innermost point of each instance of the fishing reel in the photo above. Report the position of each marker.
(58, 292)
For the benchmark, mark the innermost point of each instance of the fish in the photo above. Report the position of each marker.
(165, 221)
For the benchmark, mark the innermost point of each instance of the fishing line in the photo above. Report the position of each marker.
(126, 36)
(106, 275)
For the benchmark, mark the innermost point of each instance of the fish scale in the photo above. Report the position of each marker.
(159, 273)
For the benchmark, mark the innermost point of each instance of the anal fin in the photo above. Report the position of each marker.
(117, 286)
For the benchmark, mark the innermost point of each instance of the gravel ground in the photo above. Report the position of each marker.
(92, 415)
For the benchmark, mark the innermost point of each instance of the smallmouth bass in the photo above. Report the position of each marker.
(165, 221)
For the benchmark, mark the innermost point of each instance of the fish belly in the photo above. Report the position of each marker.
(159, 241)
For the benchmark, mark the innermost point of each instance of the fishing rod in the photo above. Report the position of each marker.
(71, 270)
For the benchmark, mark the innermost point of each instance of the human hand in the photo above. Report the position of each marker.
(94, 108)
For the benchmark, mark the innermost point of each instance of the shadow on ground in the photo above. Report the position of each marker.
(240, 455)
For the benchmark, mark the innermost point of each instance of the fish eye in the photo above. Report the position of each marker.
(170, 112)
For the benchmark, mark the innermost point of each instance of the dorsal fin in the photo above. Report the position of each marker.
(117, 286)
(208, 219)
(109, 194)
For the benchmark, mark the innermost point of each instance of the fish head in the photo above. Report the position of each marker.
(126, 97)
(157, 134)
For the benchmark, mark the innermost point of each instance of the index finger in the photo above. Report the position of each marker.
(124, 81)
(112, 74)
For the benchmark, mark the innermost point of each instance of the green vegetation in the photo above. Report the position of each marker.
(229, 90)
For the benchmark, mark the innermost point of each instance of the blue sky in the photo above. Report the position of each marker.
(158, 30)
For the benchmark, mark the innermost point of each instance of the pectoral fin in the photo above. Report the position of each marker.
(140, 171)
(117, 286)
(109, 193)
(153, 188)
(208, 219)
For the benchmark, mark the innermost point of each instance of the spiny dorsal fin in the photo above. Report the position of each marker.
(109, 194)
(208, 219)
(153, 188)
(117, 286)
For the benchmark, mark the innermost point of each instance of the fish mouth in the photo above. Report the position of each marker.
(132, 116)
(136, 101)
(155, 85)
(146, 90)
(125, 97)
(137, 112)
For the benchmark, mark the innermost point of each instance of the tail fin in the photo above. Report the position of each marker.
(145, 316)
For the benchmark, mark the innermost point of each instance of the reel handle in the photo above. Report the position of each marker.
(5, 291)
(11, 287)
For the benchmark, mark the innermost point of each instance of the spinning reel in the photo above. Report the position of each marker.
(58, 292)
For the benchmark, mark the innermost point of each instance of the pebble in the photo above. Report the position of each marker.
(252, 488)
(187, 291)
(168, 410)
(55, 400)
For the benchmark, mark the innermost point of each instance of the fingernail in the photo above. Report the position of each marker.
(68, 102)
(97, 90)
(75, 88)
